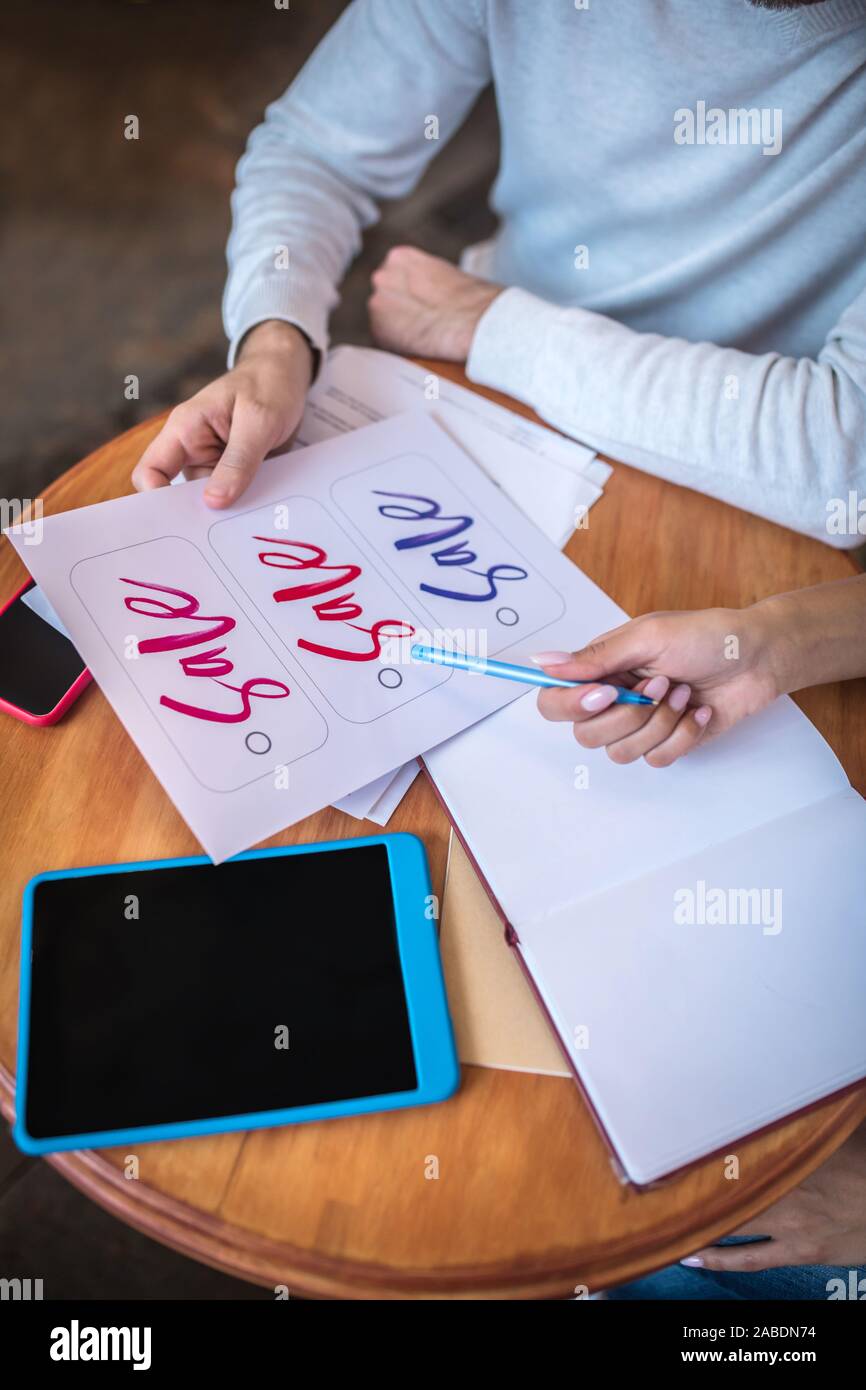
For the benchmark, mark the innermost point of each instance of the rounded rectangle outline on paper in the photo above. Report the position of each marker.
(304, 497)
(217, 791)
(468, 501)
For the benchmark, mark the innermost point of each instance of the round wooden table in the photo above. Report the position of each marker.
(526, 1204)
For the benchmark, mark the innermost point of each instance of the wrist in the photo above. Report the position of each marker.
(784, 637)
(483, 301)
(275, 336)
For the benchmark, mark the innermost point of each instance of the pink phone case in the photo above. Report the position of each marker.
(41, 720)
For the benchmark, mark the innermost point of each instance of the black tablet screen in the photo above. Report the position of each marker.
(176, 994)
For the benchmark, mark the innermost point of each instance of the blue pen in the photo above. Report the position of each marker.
(504, 669)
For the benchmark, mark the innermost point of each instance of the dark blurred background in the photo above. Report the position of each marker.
(112, 250)
(112, 262)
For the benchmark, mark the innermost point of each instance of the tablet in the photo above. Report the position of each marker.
(172, 998)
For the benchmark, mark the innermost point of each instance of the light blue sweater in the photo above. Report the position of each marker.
(682, 199)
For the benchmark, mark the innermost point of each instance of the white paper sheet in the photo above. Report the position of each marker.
(360, 802)
(552, 479)
(36, 600)
(389, 799)
(696, 1033)
(226, 675)
(596, 824)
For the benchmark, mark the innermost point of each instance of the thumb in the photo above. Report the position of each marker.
(161, 461)
(248, 442)
(625, 648)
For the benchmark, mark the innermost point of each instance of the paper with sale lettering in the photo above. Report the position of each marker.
(259, 657)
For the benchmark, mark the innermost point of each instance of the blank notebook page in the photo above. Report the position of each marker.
(697, 1034)
(542, 842)
(702, 1032)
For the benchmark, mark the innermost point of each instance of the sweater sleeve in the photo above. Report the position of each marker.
(779, 436)
(383, 91)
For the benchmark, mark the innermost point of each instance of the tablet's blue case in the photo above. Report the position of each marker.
(436, 1064)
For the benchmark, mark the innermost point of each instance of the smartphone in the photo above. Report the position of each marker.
(41, 673)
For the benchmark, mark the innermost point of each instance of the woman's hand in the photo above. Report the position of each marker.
(822, 1222)
(227, 428)
(707, 670)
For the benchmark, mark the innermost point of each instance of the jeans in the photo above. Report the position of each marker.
(788, 1281)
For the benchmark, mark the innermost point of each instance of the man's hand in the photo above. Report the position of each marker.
(822, 1222)
(227, 428)
(425, 306)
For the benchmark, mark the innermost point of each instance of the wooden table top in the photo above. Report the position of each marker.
(526, 1203)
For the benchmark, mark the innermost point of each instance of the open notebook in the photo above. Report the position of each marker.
(697, 935)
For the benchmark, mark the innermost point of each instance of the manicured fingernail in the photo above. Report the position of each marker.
(703, 715)
(551, 658)
(693, 1262)
(657, 687)
(679, 697)
(599, 699)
